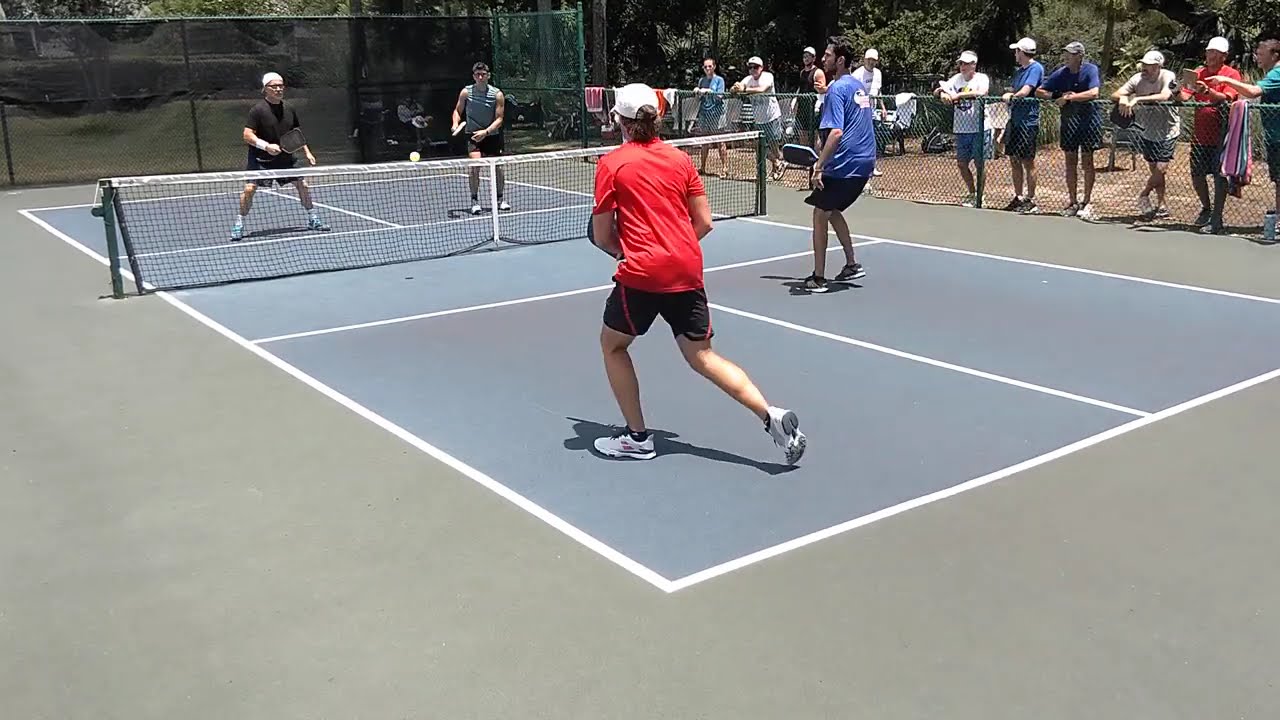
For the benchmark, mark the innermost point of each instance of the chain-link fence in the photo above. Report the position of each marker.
(86, 99)
(1171, 165)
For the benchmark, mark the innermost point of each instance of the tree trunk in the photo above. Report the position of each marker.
(599, 43)
(1108, 41)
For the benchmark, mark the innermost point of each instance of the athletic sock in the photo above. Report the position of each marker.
(639, 436)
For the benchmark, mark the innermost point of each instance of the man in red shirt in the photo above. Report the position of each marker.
(651, 213)
(1209, 130)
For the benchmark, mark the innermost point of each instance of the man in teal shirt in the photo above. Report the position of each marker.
(1267, 55)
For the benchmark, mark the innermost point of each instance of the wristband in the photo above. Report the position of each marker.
(261, 144)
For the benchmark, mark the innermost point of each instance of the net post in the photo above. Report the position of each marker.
(113, 243)
(761, 176)
(493, 202)
(582, 74)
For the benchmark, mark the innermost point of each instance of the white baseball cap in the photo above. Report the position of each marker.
(1026, 45)
(873, 53)
(755, 60)
(628, 100)
(1220, 44)
(968, 56)
(1153, 57)
(271, 77)
(810, 51)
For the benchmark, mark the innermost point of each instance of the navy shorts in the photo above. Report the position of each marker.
(836, 194)
(489, 145)
(1156, 151)
(1021, 141)
(283, 161)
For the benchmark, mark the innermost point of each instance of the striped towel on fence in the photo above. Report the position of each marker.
(1237, 155)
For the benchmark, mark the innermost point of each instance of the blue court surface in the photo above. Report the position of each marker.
(941, 371)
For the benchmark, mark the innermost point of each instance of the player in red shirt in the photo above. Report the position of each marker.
(651, 212)
(1209, 131)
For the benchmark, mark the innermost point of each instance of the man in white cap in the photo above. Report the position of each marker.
(1022, 137)
(805, 108)
(1267, 90)
(1210, 130)
(765, 111)
(871, 78)
(651, 213)
(1153, 87)
(268, 121)
(1074, 87)
(962, 92)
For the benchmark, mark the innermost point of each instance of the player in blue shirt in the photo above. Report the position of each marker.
(1022, 136)
(1074, 88)
(845, 162)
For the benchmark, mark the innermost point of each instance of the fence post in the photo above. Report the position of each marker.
(980, 181)
(8, 146)
(582, 75)
(191, 101)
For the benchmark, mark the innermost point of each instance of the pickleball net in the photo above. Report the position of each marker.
(173, 232)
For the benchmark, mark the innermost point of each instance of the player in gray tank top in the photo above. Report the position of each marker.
(479, 113)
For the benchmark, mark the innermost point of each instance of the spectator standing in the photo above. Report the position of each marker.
(711, 113)
(805, 107)
(872, 79)
(1023, 133)
(1153, 87)
(1074, 87)
(764, 109)
(1267, 55)
(1210, 130)
(962, 92)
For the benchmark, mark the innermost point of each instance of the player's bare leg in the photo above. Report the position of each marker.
(246, 203)
(781, 424)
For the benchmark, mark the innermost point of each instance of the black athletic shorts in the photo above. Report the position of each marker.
(283, 161)
(632, 312)
(489, 146)
(836, 194)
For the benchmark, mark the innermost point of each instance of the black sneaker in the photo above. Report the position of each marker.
(852, 271)
(815, 284)
(1015, 204)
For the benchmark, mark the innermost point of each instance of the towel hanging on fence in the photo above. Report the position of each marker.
(595, 99)
(1237, 155)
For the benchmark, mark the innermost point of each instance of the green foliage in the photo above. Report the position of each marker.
(206, 8)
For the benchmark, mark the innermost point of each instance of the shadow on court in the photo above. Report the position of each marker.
(664, 441)
(796, 285)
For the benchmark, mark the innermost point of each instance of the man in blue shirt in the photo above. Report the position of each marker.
(1022, 136)
(1074, 87)
(845, 162)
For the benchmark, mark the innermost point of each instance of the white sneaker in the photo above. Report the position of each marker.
(783, 426)
(476, 209)
(622, 445)
(1087, 213)
(503, 205)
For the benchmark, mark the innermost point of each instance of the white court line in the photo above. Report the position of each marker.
(1086, 271)
(797, 543)
(334, 208)
(644, 573)
(517, 301)
(929, 361)
(482, 479)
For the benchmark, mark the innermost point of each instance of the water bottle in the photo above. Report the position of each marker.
(1269, 226)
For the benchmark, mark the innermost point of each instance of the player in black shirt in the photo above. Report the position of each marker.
(268, 121)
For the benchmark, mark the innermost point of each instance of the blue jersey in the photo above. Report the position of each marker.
(847, 106)
(1026, 111)
(1062, 81)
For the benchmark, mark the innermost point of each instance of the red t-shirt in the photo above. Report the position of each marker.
(1208, 123)
(648, 185)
